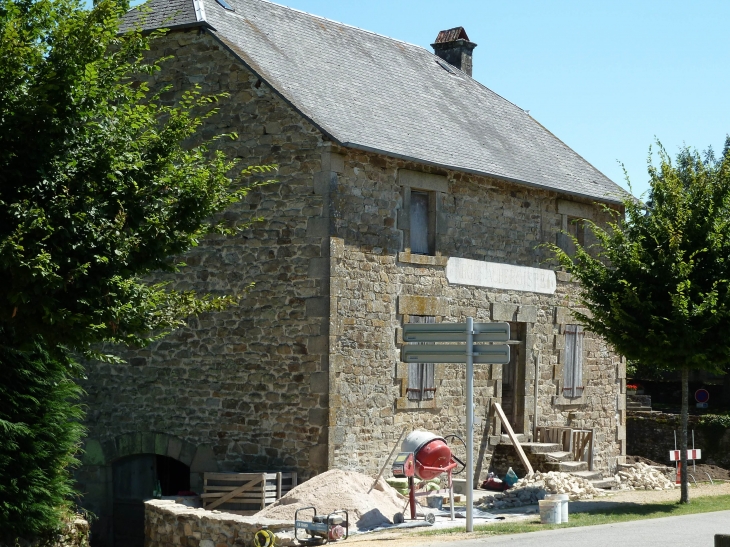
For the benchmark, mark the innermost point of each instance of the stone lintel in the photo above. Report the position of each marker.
(423, 305)
(423, 181)
(502, 311)
(575, 209)
(527, 314)
(424, 260)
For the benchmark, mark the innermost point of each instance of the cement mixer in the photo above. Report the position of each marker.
(425, 455)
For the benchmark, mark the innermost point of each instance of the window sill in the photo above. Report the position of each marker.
(560, 400)
(404, 403)
(423, 260)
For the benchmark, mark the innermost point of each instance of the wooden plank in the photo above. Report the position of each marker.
(263, 495)
(224, 489)
(233, 493)
(590, 450)
(253, 494)
(239, 477)
(513, 438)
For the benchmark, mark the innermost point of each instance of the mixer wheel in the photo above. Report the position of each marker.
(430, 518)
(458, 451)
(398, 518)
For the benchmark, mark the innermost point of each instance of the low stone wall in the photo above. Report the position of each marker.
(651, 435)
(75, 533)
(170, 524)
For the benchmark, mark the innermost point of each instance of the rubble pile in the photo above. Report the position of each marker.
(641, 476)
(528, 491)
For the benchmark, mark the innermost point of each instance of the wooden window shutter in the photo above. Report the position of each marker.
(573, 369)
(421, 376)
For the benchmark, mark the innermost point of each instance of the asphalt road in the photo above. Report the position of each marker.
(685, 531)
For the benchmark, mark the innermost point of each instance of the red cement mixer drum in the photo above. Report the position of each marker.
(431, 453)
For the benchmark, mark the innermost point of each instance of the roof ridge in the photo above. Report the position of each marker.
(199, 8)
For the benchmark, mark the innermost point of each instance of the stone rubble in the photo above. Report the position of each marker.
(528, 491)
(641, 476)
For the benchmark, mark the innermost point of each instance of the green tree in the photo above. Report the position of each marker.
(656, 285)
(101, 183)
(40, 431)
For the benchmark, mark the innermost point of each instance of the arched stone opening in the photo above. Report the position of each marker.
(135, 479)
(155, 454)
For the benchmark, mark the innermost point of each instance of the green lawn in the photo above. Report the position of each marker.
(620, 513)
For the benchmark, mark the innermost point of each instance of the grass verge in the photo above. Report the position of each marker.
(621, 512)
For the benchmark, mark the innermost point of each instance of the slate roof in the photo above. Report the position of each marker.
(374, 93)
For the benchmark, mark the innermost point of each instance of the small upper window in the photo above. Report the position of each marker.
(419, 223)
(225, 4)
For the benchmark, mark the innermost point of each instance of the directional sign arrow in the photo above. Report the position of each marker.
(455, 332)
(497, 354)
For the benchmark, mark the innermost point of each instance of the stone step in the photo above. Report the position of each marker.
(521, 438)
(606, 484)
(588, 475)
(540, 448)
(558, 456)
(566, 467)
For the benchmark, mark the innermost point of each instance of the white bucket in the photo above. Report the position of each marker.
(550, 511)
(563, 499)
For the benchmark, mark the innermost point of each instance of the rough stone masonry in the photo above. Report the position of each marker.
(304, 373)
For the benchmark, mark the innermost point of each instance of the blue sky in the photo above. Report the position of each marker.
(605, 77)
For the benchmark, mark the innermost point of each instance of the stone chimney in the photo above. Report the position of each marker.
(454, 47)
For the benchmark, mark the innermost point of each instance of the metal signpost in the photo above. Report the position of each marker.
(472, 350)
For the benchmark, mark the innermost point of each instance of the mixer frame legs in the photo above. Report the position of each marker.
(412, 497)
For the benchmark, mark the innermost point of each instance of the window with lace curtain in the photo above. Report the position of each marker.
(421, 376)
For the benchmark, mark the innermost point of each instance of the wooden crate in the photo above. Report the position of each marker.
(245, 493)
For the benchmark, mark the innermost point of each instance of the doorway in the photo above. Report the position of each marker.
(134, 481)
(513, 378)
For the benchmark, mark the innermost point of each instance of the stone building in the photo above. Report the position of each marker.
(408, 192)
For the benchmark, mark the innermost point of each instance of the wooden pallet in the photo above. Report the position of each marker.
(244, 493)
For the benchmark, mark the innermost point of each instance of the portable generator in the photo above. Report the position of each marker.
(321, 528)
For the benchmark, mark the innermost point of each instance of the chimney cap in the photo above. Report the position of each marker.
(451, 35)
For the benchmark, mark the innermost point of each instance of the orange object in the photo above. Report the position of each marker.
(679, 473)
(432, 459)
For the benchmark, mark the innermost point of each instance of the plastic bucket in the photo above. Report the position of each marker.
(550, 511)
(563, 499)
(435, 502)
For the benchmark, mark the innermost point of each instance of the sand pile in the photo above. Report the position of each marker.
(338, 489)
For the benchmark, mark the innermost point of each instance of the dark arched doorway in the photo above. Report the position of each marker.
(135, 479)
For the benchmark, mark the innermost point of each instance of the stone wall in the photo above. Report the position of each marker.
(651, 435)
(170, 524)
(73, 533)
(244, 389)
(376, 284)
(304, 374)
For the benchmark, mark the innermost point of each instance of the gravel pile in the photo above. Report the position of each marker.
(338, 489)
(528, 491)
